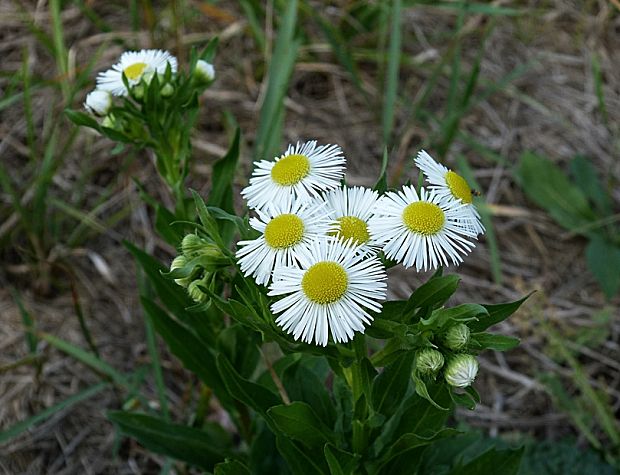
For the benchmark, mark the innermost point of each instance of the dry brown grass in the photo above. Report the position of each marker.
(551, 109)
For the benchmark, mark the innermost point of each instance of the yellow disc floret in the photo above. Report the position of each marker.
(290, 170)
(325, 282)
(351, 227)
(459, 187)
(424, 218)
(134, 71)
(284, 231)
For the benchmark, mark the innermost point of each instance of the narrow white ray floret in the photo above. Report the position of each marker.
(304, 170)
(450, 185)
(351, 209)
(286, 226)
(329, 292)
(423, 230)
(136, 65)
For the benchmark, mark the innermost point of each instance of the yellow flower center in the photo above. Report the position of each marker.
(284, 231)
(290, 170)
(424, 218)
(325, 282)
(459, 187)
(350, 227)
(134, 71)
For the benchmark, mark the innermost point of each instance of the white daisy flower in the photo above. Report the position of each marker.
(304, 170)
(98, 102)
(286, 227)
(461, 371)
(449, 185)
(351, 209)
(330, 292)
(422, 231)
(136, 65)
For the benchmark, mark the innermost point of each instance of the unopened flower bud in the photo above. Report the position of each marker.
(108, 121)
(192, 244)
(178, 263)
(98, 102)
(429, 361)
(167, 90)
(195, 293)
(204, 72)
(457, 336)
(461, 371)
(138, 91)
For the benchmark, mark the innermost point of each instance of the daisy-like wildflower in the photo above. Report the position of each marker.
(98, 102)
(351, 209)
(287, 227)
(304, 171)
(422, 231)
(449, 185)
(204, 72)
(136, 65)
(328, 293)
(461, 371)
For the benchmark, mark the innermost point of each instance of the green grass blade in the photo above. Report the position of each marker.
(249, 8)
(598, 87)
(28, 321)
(156, 365)
(20, 427)
(60, 50)
(269, 134)
(393, 66)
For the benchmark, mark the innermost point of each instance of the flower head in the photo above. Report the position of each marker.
(461, 371)
(351, 209)
(179, 262)
(422, 230)
(287, 227)
(303, 171)
(98, 102)
(136, 65)
(449, 185)
(329, 292)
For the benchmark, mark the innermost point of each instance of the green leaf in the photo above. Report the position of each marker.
(389, 387)
(231, 467)
(302, 384)
(495, 342)
(434, 292)
(381, 185)
(604, 262)
(585, 176)
(82, 119)
(251, 394)
(422, 391)
(546, 185)
(340, 461)
(240, 347)
(185, 345)
(495, 313)
(408, 442)
(461, 313)
(299, 421)
(301, 461)
(222, 177)
(194, 446)
(16, 429)
(492, 462)
(208, 221)
(163, 224)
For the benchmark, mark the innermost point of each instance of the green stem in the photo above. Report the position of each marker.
(360, 429)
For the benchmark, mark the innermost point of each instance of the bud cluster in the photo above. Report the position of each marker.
(450, 356)
(196, 266)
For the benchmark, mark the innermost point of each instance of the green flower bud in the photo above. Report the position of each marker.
(167, 90)
(195, 293)
(429, 361)
(457, 336)
(138, 91)
(461, 371)
(108, 121)
(178, 263)
(192, 245)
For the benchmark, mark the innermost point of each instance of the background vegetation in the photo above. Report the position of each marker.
(523, 98)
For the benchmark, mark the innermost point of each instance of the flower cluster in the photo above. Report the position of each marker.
(461, 368)
(133, 72)
(321, 243)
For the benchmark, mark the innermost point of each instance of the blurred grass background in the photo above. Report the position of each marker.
(477, 84)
